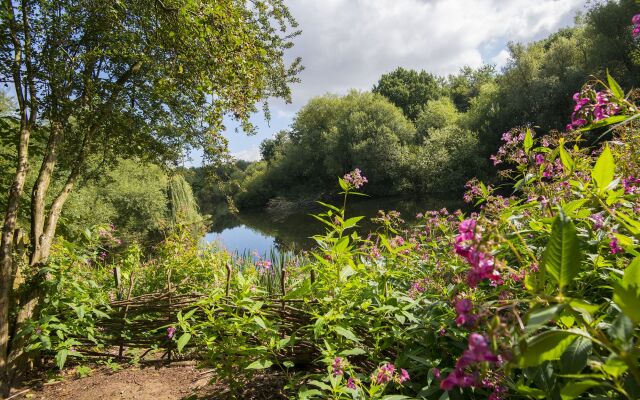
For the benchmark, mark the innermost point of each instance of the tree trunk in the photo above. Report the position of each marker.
(6, 253)
(38, 195)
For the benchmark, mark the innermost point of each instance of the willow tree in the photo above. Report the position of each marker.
(129, 78)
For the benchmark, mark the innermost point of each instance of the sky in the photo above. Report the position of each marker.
(349, 44)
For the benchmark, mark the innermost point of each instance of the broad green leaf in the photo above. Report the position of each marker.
(626, 294)
(567, 160)
(346, 272)
(604, 170)
(342, 244)
(575, 357)
(530, 392)
(353, 352)
(395, 397)
(614, 119)
(61, 357)
(574, 206)
(615, 367)
(189, 314)
(615, 87)
(621, 328)
(184, 339)
(541, 316)
(528, 141)
(343, 184)
(549, 345)
(306, 393)
(573, 390)
(351, 222)
(258, 320)
(562, 256)
(319, 384)
(260, 364)
(288, 364)
(346, 333)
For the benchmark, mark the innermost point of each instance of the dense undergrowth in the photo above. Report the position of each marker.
(535, 295)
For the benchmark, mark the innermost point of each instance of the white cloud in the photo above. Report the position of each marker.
(501, 59)
(350, 43)
(250, 154)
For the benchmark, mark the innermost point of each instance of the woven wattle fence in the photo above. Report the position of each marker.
(141, 322)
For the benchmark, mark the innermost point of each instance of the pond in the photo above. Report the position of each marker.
(261, 231)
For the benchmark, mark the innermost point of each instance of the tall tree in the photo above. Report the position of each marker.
(409, 89)
(128, 78)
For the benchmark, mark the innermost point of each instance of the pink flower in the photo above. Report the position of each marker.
(385, 373)
(636, 19)
(614, 246)
(170, 332)
(598, 221)
(355, 178)
(350, 383)
(337, 366)
(404, 375)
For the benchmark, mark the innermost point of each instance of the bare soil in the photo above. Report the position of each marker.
(170, 382)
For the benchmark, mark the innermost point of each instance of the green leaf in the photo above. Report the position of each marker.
(184, 339)
(539, 317)
(319, 384)
(575, 358)
(61, 358)
(306, 393)
(626, 294)
(528, 141)
(604, 170)
(575, 389)
(343, 184)
(346, 333)
(615, 367)
(530, 392)
(260, 364)
(395, 397)
(562, 256)
(566, 158)
(351, 222)
(353, 352)
(615, 87)
(189, 314)
(346, 272)
(621, 328)
(549, 345)
(614, 119)
(258, 320)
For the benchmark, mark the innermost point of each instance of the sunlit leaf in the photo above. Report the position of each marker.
(604, 170)
(562, 256)
(547, 346)
(260, 364)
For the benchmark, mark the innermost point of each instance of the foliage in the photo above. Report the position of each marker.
(132, 196)
(437, 114)
(408, 89)
(331, 135)
(535, 293)
(117, 80)
(74, 297)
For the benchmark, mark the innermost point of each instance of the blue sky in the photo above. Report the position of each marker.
(349, 43)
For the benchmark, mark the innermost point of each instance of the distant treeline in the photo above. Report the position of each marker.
(418, 133)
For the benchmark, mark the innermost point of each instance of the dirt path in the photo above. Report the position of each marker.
(150, 383)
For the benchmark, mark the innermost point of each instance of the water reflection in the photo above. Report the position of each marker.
(260, 231)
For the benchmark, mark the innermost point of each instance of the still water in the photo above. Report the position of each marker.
(260, 231)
